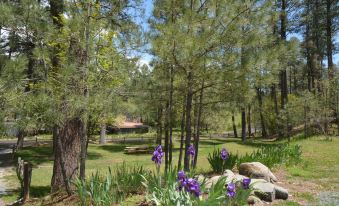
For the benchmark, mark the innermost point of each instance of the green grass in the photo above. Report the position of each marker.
(320, 160)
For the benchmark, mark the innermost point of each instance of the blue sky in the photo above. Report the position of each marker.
(148, 5)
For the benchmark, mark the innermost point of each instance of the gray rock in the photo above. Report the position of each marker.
(280, 193)
(257, 170)
(254, 181)
(229, 175)
(265, 191)
(211, 181)
(238, 177)
(201, 178)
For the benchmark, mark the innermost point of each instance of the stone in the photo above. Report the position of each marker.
(257, 170)
(211, 181)
(265, 191)
(254, 181)
(229, 175)
(280, 193)
(253, 200)
(201, 178)
(239, 178)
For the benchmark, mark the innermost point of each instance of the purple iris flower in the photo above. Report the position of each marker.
(192, 185)
(224, 154)
(181, 179)
(191, 150)
(231, 190)
(246, 183)
(181, 175)
(157, 155)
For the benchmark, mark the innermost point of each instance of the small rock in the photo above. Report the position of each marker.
(257, 170)
(265, 191)
(280, 193)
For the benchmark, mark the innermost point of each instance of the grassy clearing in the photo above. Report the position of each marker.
(320, 163)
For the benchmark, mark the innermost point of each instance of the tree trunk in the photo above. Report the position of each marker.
(182, 133)
(262, 121)
(66, 154)
(20, 139)
(249, 121)
(197, 135)
(166, 138)
(283, 73)
(159, 126)
(170, 120)
(234, 126)
(188, 119)
(103, 133)
(243, 124)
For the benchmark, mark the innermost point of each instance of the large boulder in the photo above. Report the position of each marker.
(265, 191)
(280, 193)
(257, 170)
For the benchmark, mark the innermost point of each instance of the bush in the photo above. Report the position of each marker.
(218, 164)
(112, 188)
(273, 155)
(268, 155)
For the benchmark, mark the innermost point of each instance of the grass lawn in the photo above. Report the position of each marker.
(319, 168)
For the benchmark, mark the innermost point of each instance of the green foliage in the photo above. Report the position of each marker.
(272, 155)
(113, 188)
(218, 165)
(268, 155)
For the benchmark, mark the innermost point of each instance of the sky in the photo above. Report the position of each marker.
(148, 5)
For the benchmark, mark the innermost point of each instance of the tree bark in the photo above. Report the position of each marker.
(234, 126)
(20, 139)
(66, 154)
(243, 124)
(103, 133)
(188, 119)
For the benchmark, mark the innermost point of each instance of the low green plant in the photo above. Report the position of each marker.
(218, 164)
(269, 156)
(112, 188)
(272, 155)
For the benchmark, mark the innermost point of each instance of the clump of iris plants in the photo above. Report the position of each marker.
(237, 193)
(190, 185)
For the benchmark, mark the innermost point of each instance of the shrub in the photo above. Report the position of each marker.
(268, 155)
(101, 190)
(218, 164)
(272, 155)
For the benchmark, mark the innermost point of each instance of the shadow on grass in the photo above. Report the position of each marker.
(39, 191)
(36, 155)
(119, 147)
(43, 154)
